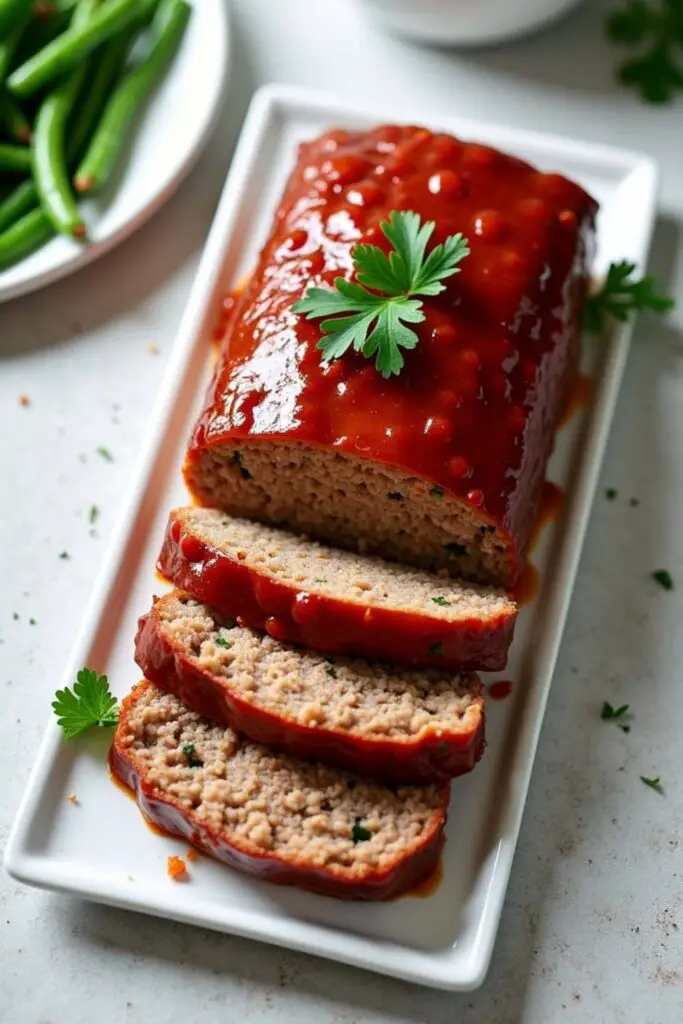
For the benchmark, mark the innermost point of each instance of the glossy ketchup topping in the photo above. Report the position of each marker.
(478, 398)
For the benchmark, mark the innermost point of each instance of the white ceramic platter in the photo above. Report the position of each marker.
(100, 848)
(165, 144)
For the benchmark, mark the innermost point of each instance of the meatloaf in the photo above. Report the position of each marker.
(332, 600)
(269, 815)
(402, 725)
(441, 466)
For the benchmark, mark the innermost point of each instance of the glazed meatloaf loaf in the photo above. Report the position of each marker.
(402, 725)
(269, 815)
(332, 600)
(440, 466)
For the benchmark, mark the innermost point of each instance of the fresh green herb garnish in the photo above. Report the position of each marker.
(437, 492)
(360, 834)
(375, 324)
(435, 650)
(395, 496)
(656, 27)
(455, 550)
(620, 297)
(188, 751)
(652, 783)
(610, 493)
(442, 601)
(89, 703)
(93, 514)
(331, 671)
(664, 578)
(222, 642)
(105, 453)
(64, 555)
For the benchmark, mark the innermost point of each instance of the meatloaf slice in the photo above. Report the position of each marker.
(269, 815)
(403, 725)
(441, 466)
(332, 600)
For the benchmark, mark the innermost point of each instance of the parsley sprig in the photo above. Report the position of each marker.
(89, 703)
(373, 322)
(619, 297)
(656, 28)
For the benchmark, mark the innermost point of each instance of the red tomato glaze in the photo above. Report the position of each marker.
(475, 408)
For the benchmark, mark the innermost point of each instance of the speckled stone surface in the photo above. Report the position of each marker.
(593, 924)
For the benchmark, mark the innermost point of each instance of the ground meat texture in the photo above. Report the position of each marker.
(333, 600)
(402, 725)
(442, 466)
(269, 815)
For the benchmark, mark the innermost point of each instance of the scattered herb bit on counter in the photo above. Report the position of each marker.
(189, 752)
(105, 453)
(91, 702)
(435, 650)
(609, 713)
(222, 642)
(64, 555)
(634, 502)
(610, 493)
(360, 834)
(440, 600)
(93, 514)
(32, 622)
(375, 325)
(618, 297)
(653, 783)
(331, 671)
(24, 400)
(664, 578)
(177, 869)
(657, 30)
(15, 616)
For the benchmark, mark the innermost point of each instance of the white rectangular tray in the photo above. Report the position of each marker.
(100, 848)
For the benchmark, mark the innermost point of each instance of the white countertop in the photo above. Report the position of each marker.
(593, 924)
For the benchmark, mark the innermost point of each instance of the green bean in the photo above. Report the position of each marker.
(11, 14)
(24, 237)
(100, 160)
(13, 119)
(20, 201)
(50, 168)
(9, 44)
(108, 67)
(65, 53)
(15, 159)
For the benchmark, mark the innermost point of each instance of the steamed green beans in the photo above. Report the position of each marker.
(23, 238)
(50, 168)
(21, 200)
(15, 159)
(100, 160)
(66, 52)
(12, 12)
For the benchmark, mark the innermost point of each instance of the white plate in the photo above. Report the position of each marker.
(100, 848)
(171, 134)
